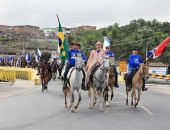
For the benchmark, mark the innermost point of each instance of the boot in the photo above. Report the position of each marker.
(143, 86)
(116, 79)
(116, 85)
(64, 85)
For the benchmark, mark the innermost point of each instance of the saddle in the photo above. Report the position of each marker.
(93, 72)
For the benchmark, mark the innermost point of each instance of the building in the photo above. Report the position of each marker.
(158, 68)
(27, 29)
(3, 28)
(48, 31)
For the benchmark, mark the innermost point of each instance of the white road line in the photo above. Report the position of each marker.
(144, 108)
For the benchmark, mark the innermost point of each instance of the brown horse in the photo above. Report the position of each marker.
(23, 62)
(54, 68)
(110, 81)
(44, 74)
(2, 63)
(33, 62)
(137, 83)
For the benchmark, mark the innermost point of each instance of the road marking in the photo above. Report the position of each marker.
(144, 108)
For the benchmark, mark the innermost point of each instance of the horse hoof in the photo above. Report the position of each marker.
(126, 103)
(65, 106)
(76, 107)
(131, 103)
(90, 107)
(101, 110)
(72, 111)
(107, 104)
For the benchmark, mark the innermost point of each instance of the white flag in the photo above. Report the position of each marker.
(39, 52)
(106, 43)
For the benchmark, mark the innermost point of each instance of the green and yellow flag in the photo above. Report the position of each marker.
(62, 42)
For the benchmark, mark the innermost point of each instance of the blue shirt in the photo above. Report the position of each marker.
(111, 54)
(134, 61)
(72, 54)
(28, 57)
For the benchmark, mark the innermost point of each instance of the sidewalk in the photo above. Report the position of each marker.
(8, 89)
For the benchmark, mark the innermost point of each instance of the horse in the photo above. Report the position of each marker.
(110, 76)
(2, 62)
(137, 83)
(61, 66)
(54, 68)
(98, 83)
(23, 62)
(17, 62)
(75, 77)
(33, 62)
(44, 74)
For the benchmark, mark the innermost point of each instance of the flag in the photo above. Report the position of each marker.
(159, 49)
(62, 42)
(39, 52)
(106, 42)
(58, 49)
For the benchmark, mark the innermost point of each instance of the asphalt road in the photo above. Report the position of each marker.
(46, 111)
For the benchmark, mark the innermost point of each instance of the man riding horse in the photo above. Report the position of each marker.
(111, 54)
(134, 63)
(95, 59)
(54, 57)
(46, 56)
(71, 63)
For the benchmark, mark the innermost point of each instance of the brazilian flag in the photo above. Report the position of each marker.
(62, 42)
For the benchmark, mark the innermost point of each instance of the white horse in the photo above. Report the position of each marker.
(75, 77)
(99, 83)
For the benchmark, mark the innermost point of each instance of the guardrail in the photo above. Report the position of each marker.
(13, 73)
(160, 76)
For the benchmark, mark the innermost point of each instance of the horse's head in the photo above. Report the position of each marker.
(144, 69)
(106, 63)
(79, 62)
(112, 61)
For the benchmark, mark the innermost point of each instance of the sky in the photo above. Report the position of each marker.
(73, 13)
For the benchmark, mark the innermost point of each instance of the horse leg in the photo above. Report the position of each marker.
(65, 95)
(100, 100)
(112, 89)
(135, 98)
(106, 96)
(132, 94)
(127, 92)
(72, 101)
(79, 99)
(139, 93)
(42, 85)
(90, 97)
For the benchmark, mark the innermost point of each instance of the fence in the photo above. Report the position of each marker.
(13, 73)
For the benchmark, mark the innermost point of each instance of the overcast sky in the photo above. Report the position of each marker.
(100, 13)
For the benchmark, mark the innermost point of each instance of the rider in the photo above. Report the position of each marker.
(95, 59)
(54, 56)
(71, 63)
(28, 58)
(134, 63)
(111, 54)
(46, 56)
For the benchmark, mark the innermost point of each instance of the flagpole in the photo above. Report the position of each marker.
(146, 50)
